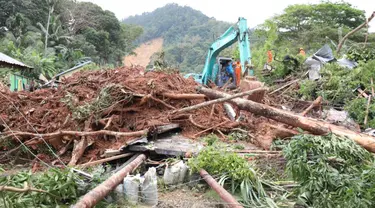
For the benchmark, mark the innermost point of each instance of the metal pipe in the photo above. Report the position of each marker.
(98, 193)
(67, 71)
(224, 194)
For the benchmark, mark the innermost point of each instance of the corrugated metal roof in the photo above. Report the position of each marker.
(7, 60)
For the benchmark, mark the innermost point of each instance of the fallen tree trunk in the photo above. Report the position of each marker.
(224, 194)
(307, 124)
(99, 192)
(220, 100)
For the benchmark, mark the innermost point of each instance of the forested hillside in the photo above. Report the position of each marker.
(187, 34)
(53, 35)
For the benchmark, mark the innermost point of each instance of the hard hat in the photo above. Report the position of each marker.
(300, 48)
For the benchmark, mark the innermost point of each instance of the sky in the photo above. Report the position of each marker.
(254, 11)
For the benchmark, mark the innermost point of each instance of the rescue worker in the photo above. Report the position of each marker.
(267, 66)
(302, 52)
(238, 71)
(230, 72)
(270, 58)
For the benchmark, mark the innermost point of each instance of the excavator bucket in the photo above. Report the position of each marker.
(249, 83)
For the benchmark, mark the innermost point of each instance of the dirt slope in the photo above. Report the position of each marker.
(144, 53)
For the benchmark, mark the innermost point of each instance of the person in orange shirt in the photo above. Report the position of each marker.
(237, 71)
(302, 52)
(269, 54)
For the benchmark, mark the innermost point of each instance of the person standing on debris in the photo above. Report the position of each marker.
(302, 52)
(237, 71)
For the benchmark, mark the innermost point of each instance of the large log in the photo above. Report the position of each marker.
(224, 194)
(308, 124)
(99, 192)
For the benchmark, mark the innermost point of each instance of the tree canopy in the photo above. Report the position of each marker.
(53, 35)
(309, 26)
(312, 25)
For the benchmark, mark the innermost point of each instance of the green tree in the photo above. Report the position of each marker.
(53, 35)
(310, 26)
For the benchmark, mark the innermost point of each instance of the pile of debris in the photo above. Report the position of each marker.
(109, 109)
(105, 109)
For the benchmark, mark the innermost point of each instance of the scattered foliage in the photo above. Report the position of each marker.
(361, 54)
(332, 171)
(357, 110)
(308, 89)
(236, 172)
(108, 96)
(61, 185)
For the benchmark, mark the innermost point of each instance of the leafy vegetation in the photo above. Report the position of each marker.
(338, 85)
(332, 171)
(54, 35)
(61, 185)
(63, 188)
(361, 54)
(236, 173)
(107, 96)
(307, 26)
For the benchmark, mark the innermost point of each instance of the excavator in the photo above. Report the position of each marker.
(214, 69)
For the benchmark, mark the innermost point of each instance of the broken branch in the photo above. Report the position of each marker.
(196, 124)
(78, 133)
(367, 110)
(372, 87)
(184, 96)
(148, 97)
(97, 162)
(26, 188)
(314, 104)
(284, 86)
(162, 102)
(211, 128)
(342, 41)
